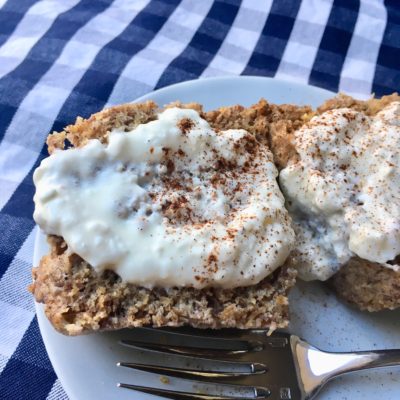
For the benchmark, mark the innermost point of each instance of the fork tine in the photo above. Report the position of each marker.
(180, 352)
(176, 341)
(192, 351)
(203, 392)
(225, 333)
(197, 370)
(163, 361)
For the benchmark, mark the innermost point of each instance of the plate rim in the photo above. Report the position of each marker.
(220, 79)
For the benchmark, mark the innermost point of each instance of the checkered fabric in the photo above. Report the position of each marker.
(60, 59)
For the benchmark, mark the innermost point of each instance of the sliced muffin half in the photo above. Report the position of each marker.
(222, 292)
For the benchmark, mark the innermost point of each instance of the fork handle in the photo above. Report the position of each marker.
(376, 359)
(315, 367)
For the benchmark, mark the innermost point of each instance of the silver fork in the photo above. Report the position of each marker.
(236, 364)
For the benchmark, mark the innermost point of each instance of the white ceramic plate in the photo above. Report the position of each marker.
(86, 364)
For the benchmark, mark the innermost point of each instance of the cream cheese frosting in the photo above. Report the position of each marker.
(170, 203)
(344, 190)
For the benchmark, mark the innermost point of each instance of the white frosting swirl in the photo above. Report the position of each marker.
(171, 203)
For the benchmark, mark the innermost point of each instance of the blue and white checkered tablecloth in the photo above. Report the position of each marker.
(60, 59)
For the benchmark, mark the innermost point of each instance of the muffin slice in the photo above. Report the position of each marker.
(239, 276)
(341, 186)
(368, 285)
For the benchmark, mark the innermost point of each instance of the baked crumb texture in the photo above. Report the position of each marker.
(79, 300)
(367, 285)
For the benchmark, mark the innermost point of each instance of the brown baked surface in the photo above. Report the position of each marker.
(367, 285)
(79, 300)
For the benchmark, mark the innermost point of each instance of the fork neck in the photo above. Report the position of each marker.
(315, 367)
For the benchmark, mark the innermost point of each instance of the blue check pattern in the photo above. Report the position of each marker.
(60, 59)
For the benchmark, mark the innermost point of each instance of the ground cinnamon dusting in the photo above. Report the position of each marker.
(222, 174)
(185, 125)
